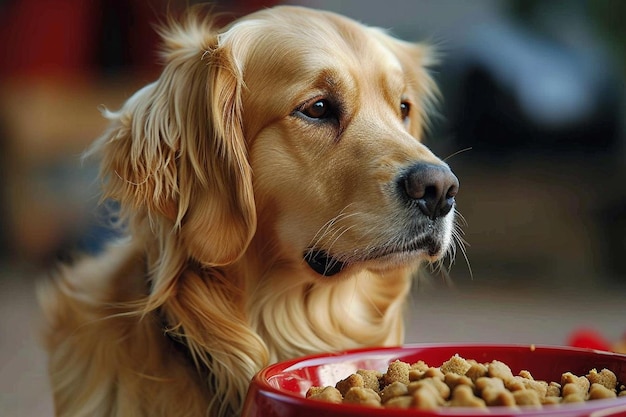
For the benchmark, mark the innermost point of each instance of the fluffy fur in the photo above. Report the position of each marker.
(227, 181)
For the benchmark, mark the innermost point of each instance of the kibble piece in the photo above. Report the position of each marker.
(553, 390)
(463, 396)
(395, 389)
(452, 380)
(518, 383)
(492, 390)
(551, 400)
(526, 375)
(420, 366)
(433, 373)
(400, 402)
(397, 371)
(455, 365)
(476, 371)
(580, 384)
(527, 397)
(604, 377)
(600, 392)
(362, 396)
(371, 379)
(484, 383)
(437, 386)
(573, 398)
(354, 380)
(424, 399)
(328, 394)
(498, 397)
(497, 369)
(416, 374)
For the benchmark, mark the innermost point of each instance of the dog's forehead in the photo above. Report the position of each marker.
(309, 36)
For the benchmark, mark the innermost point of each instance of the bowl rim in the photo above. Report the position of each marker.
(261, 379)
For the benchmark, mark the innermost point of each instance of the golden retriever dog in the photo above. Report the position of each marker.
(276, 201)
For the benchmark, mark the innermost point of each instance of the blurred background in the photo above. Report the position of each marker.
(531, 121)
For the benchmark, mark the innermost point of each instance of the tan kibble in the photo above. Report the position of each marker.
(400, 402)
(395, 389)
(552, 400)
(419, 366)
(328, 394)
(433, 373)
(497, 369)
(604, 377)
(600, 392)
(314, 391)
(463, 396)
(494, 393)
(572, 389)
(452, 380)
(397, 371)
(526, 375)
(424, 399)
(362, 396)
(437, 386)
(456, 365)
(527, 397)
(416, 374)
(498, 397)
(574, 398)
(476, 371)
(576, 384)
(371, 379)
(553, 390)
(484, 383)
(518, 383)
(354, 380)
(491, 384)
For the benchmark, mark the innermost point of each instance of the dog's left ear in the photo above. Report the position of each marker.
(176, 155)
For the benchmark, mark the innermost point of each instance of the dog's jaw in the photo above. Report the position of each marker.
(429, 245)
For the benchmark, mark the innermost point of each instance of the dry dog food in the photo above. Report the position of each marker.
(461, 382)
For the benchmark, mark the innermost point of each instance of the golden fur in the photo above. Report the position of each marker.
(226, 183)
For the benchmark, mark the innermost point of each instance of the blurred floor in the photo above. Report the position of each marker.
(472, 312)
(23, 381)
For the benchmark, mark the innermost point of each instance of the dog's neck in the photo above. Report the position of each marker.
(296, 312)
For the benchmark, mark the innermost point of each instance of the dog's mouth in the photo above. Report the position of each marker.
(322, 263)
(328, 265)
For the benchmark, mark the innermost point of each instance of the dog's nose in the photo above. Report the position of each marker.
(432, 187)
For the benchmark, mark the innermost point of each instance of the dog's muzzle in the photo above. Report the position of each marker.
(428, 192)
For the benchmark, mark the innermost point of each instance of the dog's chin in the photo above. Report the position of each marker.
(385, 258)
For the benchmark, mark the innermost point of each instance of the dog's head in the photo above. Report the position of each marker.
(302, 128)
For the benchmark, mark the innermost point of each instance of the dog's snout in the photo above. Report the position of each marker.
(433, 187)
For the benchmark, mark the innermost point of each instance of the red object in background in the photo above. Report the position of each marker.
(589, 339)
(61, 38)
(43, 37)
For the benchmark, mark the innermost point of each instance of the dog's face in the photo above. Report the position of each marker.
(293, 132)
(333, 116)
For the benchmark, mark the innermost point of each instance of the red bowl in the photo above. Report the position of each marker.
(279, 389)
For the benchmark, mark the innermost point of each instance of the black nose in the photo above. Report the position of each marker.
(432, 187)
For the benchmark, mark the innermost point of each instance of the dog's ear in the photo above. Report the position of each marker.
(176, 151)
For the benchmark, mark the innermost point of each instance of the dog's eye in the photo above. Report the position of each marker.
(319, 109)
(405, 109)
